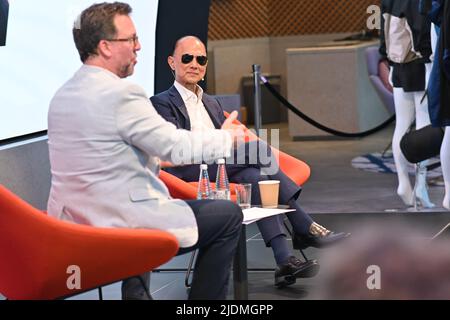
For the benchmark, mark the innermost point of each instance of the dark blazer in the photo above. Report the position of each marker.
(409, 75)
(170, 106)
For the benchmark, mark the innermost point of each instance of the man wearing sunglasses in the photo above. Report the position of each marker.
(188, 107)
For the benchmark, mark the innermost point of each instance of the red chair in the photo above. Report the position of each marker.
(37, 251)
(297, 170)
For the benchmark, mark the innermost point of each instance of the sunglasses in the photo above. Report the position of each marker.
(187, 58)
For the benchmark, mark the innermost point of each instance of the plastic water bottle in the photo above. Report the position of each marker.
(222, 184)
(204, 188)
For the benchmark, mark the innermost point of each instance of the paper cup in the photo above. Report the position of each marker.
(269, 190)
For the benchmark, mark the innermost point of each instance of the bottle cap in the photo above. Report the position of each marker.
(221, 161)
(204, 166)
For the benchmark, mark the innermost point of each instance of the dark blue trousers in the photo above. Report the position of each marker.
(270, 227)
(219, 224)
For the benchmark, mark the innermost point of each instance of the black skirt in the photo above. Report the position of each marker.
(409, 76)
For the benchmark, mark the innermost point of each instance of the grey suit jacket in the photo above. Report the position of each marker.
(105, 142)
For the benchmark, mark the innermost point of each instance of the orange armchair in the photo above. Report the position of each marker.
(297, 170)
(36, 251)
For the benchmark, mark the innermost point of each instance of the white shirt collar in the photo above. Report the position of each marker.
(187, 94)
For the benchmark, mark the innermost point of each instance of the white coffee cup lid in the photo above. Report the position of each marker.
(269, 182)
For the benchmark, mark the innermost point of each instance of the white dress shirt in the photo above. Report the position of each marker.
(199, 117)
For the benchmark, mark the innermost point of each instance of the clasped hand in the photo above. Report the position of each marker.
(237, 131)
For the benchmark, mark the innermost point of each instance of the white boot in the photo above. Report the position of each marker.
(420, 189)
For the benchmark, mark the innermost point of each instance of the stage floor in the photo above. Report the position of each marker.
(337, 195)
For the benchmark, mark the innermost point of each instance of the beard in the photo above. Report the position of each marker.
(127, 70)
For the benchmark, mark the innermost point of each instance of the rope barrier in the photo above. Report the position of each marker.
(316, 124)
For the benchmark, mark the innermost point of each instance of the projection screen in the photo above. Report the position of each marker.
(37, 55)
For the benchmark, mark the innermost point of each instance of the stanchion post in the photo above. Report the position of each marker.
(257, 94)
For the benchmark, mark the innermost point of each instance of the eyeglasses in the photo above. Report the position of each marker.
(134, 39)
(187, 58)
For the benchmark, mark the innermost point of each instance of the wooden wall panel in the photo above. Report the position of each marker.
(236, 19)
(232, 19)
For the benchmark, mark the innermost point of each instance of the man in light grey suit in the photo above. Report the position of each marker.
(105, 142)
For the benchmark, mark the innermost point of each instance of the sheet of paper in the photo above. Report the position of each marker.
(254, 214)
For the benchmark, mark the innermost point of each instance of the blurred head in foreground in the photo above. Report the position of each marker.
(387, 263)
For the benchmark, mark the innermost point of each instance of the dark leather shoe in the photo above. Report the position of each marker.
(136, 288)
(287, 273)
(138, 296)
(300, 241)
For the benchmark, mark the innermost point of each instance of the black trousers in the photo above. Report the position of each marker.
(219, 224)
